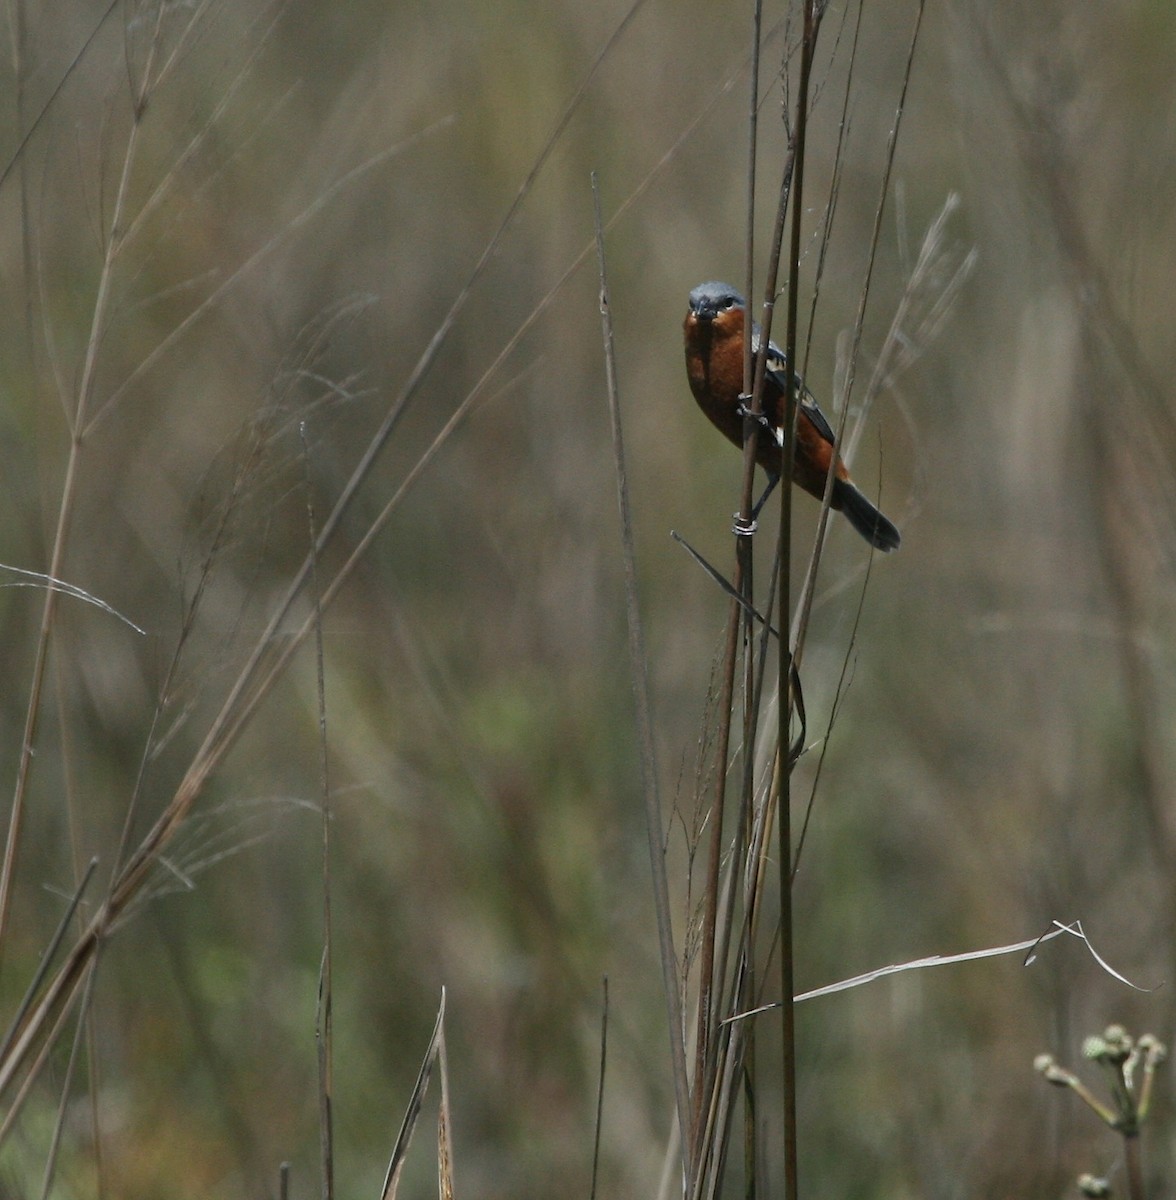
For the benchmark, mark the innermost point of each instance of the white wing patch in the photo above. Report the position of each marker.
(777, 364)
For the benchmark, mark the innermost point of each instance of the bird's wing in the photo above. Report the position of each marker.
(809, 406)
(777, 370)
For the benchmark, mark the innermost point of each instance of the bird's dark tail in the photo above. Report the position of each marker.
(864, 517)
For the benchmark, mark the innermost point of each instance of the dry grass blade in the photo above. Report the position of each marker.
(422, 367)
(46, 960)
(930, 297)
(60, 1015)
(637, 668)
(413, 1111)
(37, 579)
(770, 631)
(324, 1025)
(715, 940)
(736, 1058)
(257, 676)
(725, 585)
(1028, 948)
(805, 607)
(267, 660)
(927, 297)
(931, 256)
(218, 294)
(600, 1089)
(66, 75)
(207, 840)
(175, 174)
(445, 1187)
(931, 290)
(784, 698)
(77, 420)
(81, 1032)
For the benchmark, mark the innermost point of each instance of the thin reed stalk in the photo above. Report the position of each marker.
(637, 667)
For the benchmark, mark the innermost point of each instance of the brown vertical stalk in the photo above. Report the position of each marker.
(750, 1154)
(784, 682)
(714, 943)
(661, 889)
(325, 1021)
(77, 421)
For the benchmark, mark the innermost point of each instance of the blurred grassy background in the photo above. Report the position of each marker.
(1003, 757)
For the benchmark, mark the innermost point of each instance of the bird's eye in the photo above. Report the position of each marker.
(726, 302)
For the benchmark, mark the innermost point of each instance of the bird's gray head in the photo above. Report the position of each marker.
(711, 298)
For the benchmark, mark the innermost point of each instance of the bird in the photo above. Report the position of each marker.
(714, 328)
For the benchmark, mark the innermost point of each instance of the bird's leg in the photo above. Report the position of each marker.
(746, 412)
(772, 481)
(742, 528)
(747, 528)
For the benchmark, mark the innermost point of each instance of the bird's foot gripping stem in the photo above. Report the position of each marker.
(744, 411)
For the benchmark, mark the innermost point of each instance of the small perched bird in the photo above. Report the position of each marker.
(714, 329)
